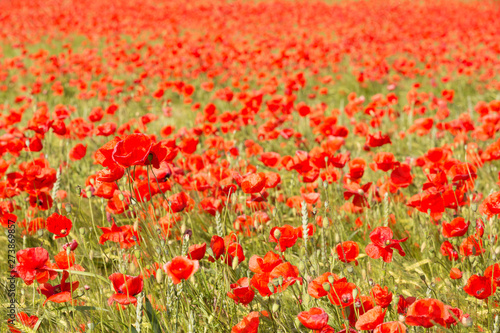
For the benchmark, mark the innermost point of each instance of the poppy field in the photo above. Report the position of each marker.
(250, 166)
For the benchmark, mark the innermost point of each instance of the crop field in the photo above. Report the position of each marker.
(249, 166)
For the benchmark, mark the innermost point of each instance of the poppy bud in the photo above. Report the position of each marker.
(277, 234)
(326, 286)
(83, 231)
(159, 276)
(276, 307)
(235, 263)
(331, 279)
(71, 246)
(271, 287)
(467, 321)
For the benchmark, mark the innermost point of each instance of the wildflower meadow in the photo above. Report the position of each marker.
(249, 166)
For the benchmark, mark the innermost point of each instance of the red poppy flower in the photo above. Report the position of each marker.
(249, 324)
(455, 273)
(358, 308)
(41, 200)
(456, 228)
(32, 265)
(383, 245)
(455, 314)
(125, 235)
(472, 246)
(449, 251)
(479, 228)
(6, 220)
(286, 236)
(390, 327)
(290, 274)
(63, 260)
(24, 320)
(404, 303)
(314, 319)
(287, 271)
(197, 251)
(356, 169)
(126, 287)
(110, 175)
(384, 161)
(59, 225)
(181, 268)
(178, 202)
(491, 205)
(316, 289)
(61, 293)
(382, 296)
(234, 250)
(241, 291)
(481, 287)
(348, 251)
(133, 150)
(427, 312)
(340, 293)
(266, 264)
(371, 319)
(310, 230)
(493, 272)
(358, 192)
(270, 159)
(218, 247)
(253, 183)
(401, 176)
(377, 140)
(78, 152)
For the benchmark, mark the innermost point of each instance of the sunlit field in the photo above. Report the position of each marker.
(249, 166)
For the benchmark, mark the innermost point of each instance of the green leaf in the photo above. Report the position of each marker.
(155, 323)
(80, 308)
(83, 274)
